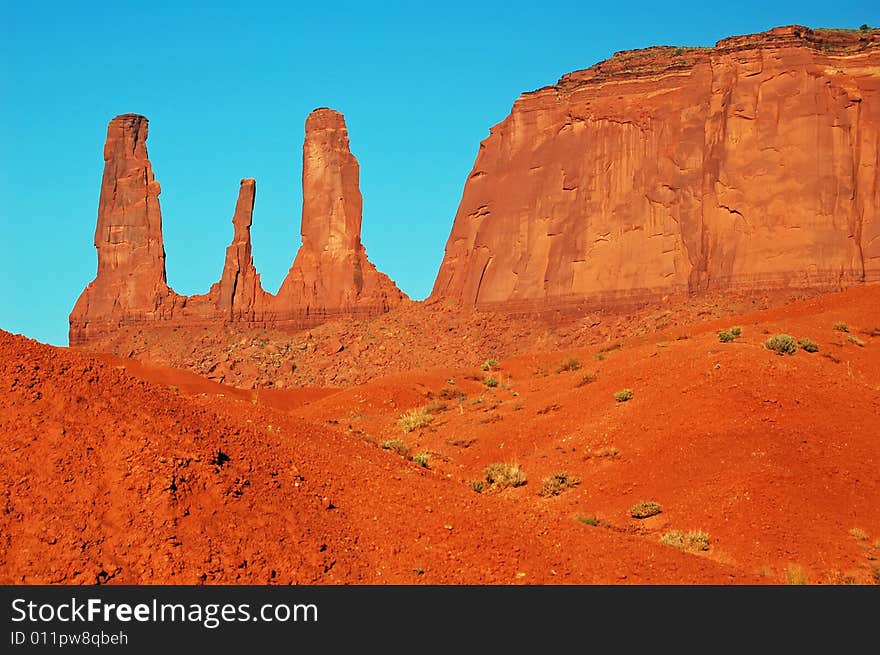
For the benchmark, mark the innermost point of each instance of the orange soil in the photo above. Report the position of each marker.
(112, 474)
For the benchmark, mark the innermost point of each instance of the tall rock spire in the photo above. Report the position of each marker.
(131, 256)
(332, 202)
(331, 273)
(239, 294)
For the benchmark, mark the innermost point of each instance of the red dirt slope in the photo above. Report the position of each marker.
(776, 458)
(113, 470)
(109, 477)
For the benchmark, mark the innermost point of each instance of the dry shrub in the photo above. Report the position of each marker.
(501, 475)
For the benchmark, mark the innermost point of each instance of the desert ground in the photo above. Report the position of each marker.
(763, 466)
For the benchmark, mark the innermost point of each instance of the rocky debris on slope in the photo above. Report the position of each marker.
(750, 165)
(413, 336)
(331, 275)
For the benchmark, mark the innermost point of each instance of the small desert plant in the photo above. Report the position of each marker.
(415, 419)
(600, 356)
(623, 395)
(588, 520)
(644, 509)
(490, 364)
(422, 459)
(501, 475)
(840, 326)
(452, 394)
(673, 538)
(609, 452)
(808, 345)
(696, 540)
(858, 533)
(782, 344)
(730, 334)
(794, 574)
(398, 446)
(570, 364)
(854, 339)
(476, 485)
(838, 578)
(587, 378)
(490, 382)
(557, 483)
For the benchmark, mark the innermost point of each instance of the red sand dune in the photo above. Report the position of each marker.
(125, 473)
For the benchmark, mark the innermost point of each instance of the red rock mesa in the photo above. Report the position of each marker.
(749, 165)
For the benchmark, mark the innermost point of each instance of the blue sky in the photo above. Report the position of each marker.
(227, 88)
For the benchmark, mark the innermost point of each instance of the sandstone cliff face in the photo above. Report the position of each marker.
(753, 164)
(331, 275)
